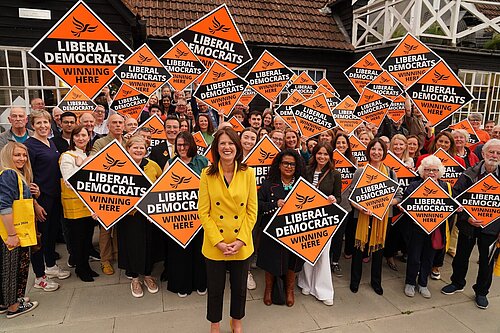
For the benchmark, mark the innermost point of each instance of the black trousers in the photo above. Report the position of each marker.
(80, 235)
(350, 233)
(460, 264)
(336, 247)
(46, 255)
(420, 257)
(357, 266)
(216, 281)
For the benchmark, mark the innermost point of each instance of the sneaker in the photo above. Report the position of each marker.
(23, 308)
(305, 291)
(181, 295)
(328, 302)
(424, 291)
(70, 263)
(151, 284)
(46, 284)
(435, 275)
(94, 255)
(56, 272)
(409, 290)
(251, 285)
(336, 269)
(136, 288)
(482, 302)
(202, 293)
(107, 268)
(451, 289)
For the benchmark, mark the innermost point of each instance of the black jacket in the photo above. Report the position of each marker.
(468, 178)
(330, 185)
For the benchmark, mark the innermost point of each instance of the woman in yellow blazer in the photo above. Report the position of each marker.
(227, 207)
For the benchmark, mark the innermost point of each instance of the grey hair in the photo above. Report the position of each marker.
(490, 142)
(475, 116)
(463, 132)
(428, 161)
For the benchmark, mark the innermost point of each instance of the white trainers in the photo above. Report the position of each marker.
(251, 285)
(424, 291)
(56, 272)
(328, 302)
(409, 290)
(46, 284)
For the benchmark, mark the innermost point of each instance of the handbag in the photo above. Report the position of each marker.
(23, 218)
(278, 292)
(73, 207)
(437, 239)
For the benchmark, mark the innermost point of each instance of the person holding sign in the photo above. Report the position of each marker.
(80, 222)
(317, 280)
(472, 232)
(370, 231)
(204, 125)
(135, 232)
(277, 261)
(227, 207)
(461, 137)
(445, 141)
(186, 270)
(422, 247)
(15, 175)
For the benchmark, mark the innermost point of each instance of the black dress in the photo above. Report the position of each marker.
(273, 257)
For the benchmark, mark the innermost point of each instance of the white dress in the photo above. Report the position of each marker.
(317, 280)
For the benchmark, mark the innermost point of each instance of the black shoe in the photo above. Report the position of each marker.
(23, 308)
(3, 309)
(354, 288)
(85, 276)
(57, 256)
(451, 289)
(482, 302)
(378, 289)
(164, 275)
(94, 255)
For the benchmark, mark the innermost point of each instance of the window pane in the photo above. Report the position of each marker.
(4, 80)
(48, 78)
(4, 97)
(32, 63)
(3, 62)
(17, 93)
(50, 97)
(16, 77)
(15, 59)
(34, 78)
(34, 94)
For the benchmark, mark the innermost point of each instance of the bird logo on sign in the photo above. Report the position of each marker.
(178, 180)
(179, 53)
(76, 95)
(155, 130)
(438, 77)
(126, 92)
(295, 100)
(369, 97)
(218, 75)
(370, 178)
(384, 80)
(348, 105)
(265, 155)
(81, 27)
(303, 80)
(488, 187)
(368, 63)
(218, 27)
(303, 200)
(113, 162)
(317, 104)
(143, 59)
(266, 64)
(429, 191)
(409, 48)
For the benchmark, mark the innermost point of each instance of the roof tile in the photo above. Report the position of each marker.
(278, 22)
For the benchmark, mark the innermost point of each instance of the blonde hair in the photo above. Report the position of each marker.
(133, 140)
(6, 161)
(403, 138)
(39, 114)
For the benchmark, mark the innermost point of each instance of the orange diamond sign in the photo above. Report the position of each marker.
(81, 50)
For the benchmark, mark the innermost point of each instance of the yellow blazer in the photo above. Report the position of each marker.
(227, 213)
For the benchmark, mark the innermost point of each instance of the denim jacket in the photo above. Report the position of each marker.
(9, 191)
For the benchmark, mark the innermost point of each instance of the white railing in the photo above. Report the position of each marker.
(447, 21)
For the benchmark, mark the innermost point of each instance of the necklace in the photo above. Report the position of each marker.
(288, 186)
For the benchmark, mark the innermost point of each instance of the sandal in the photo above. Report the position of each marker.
(392, 266)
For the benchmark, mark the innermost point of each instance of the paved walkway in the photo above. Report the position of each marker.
(106, 305)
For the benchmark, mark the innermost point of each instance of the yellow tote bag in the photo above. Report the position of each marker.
(73, 207)
(23, 216)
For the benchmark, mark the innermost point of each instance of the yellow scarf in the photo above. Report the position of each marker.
(378, 228)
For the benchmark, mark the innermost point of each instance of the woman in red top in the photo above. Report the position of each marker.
(461, 137)
(445, 141)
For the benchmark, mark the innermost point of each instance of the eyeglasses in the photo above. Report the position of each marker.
(288, 164)
(431, 170)
(180, 145)
(277, 139)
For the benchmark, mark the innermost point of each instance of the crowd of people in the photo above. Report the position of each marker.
(41, 150)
